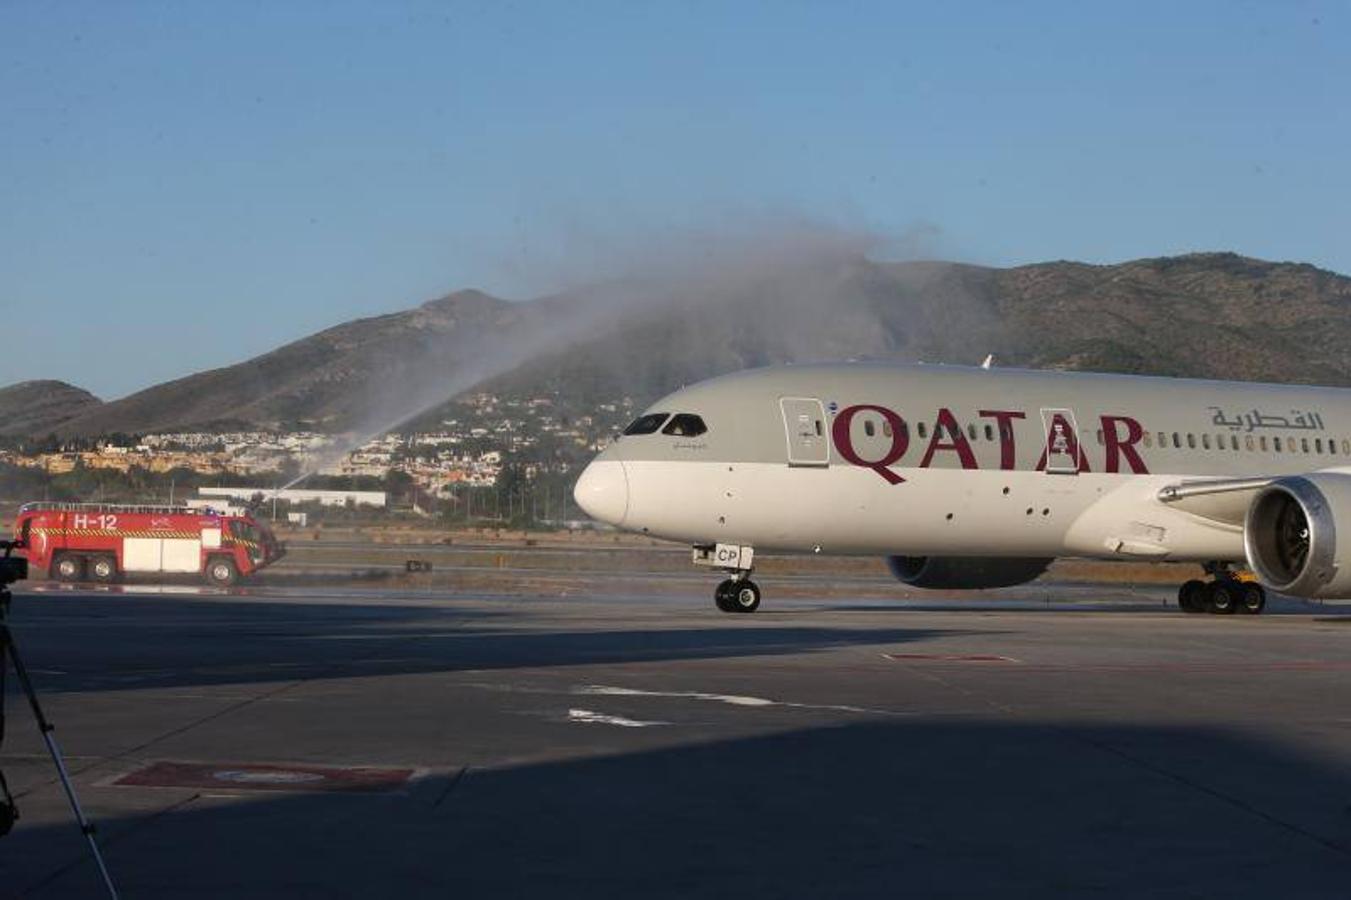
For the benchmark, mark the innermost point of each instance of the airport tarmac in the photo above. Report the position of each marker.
(1052, 740)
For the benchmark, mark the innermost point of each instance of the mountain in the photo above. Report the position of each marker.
(1213, 315)
(325, 381)
(39, 407)
(1204, 315)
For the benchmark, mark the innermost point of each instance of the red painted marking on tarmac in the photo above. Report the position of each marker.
(1302, 665)
(1141, 668)
(948, 657)
(253, 777)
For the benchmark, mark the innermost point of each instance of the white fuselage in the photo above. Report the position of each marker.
(930, 460)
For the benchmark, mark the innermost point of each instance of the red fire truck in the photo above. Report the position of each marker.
(75, 541)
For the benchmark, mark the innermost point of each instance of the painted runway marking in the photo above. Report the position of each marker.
(732, 699)
(266, 777)
(1308, 665)
(948, 657)
(589, 717)
(1294, 665)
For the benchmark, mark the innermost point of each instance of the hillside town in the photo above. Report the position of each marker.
(469, 447)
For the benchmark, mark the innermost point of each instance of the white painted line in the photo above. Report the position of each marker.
(606, 691)
(732, 699)
(588, 717)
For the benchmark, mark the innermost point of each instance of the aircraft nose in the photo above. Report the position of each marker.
(603, 491)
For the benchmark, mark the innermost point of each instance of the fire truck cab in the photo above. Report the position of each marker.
(101, 542)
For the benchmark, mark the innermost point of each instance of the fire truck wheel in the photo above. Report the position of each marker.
(68, 567)
(103, 568)
(221, 571)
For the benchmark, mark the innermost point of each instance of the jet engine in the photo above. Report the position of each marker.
(965, 572)
(1290, 535)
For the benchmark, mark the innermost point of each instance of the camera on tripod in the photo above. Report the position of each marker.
(12, 568)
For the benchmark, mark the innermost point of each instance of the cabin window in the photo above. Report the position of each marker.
(1304, 445)
(1100, 440)
(868, 428)
(1276, 442)
(1233, 440)
(1346, 447)
(886, 428)
(1248, 442)
(1263, 439)
(1332, 446)
(647, 424)
(1149, 439)
(971, 431)
(690, 425)
(989, 432)
(923, 431)
(1318, 445)
(1205, 441)
(1177, 441)
(1191, 441)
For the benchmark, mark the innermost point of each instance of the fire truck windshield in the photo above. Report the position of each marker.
(245, 531)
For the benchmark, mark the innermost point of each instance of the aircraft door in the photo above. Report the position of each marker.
(804, 421)
(1061, 454)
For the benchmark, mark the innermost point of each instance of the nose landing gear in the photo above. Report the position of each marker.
(737, 596)
(1225, 595)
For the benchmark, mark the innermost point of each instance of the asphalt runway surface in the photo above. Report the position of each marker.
(365, 743)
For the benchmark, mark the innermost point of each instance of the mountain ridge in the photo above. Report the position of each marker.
(1209, 314)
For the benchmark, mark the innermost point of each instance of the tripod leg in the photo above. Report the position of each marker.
(46, 728)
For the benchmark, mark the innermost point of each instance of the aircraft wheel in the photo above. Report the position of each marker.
(723, 596)
(1189, 596)
(1222, 597)
(1252, 598)
(745, 596)
(103, 569)
(68, 567)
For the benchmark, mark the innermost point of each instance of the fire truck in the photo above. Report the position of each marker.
(101, 542)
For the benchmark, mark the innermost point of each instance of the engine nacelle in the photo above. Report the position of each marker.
(965, 572)
(1290, 535)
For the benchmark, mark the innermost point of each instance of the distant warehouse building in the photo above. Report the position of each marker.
(244, 494)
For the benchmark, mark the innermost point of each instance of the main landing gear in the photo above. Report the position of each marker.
(1224, 595)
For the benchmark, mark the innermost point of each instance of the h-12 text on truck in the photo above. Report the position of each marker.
(100, 542)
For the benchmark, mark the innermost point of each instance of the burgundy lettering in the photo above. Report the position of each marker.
(1119, 447)
(844, 441)
(1008, 451)
(948, 422)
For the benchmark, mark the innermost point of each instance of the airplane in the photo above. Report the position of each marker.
(968, 478)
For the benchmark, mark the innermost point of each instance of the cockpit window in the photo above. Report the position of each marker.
(647, 424)
(685, 425)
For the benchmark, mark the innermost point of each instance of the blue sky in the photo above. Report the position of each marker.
(184, 185)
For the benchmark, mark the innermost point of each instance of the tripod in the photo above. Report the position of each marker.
(8, 811)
